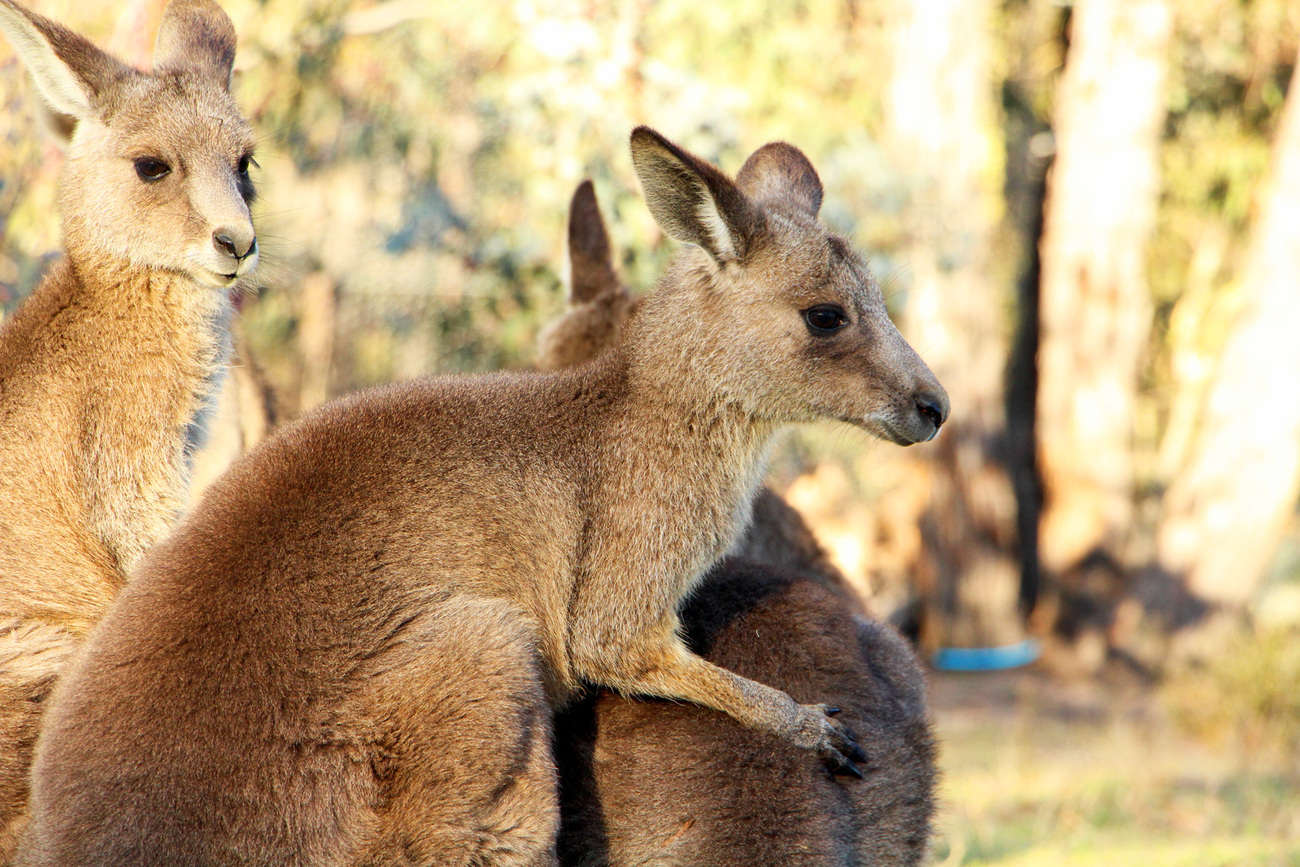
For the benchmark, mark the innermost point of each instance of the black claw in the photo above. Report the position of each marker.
(847, 768)
(831, 711)
(857, 753)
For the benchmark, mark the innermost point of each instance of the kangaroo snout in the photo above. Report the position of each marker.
(928, 410)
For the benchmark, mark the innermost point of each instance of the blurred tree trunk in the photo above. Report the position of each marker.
(1225, 511)
(942, 122)
(1095, 308)
(317, 328)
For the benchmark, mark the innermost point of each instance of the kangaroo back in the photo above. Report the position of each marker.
(104, 369)
(660, 782)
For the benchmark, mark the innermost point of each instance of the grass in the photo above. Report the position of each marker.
(1037, 773)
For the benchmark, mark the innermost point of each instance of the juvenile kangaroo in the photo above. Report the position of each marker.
(105, 367)
(349, 651)
(599, 307)
(654, 782)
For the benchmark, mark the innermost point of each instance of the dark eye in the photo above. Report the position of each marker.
(825, 318)
(244, 162)
(151, 169)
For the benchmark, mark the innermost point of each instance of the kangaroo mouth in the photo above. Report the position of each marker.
(883, 430)
(213, 278)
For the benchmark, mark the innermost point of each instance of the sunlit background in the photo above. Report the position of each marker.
(1085, 216)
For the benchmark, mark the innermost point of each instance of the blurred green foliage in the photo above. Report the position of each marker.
(1231, 62)
(422, 153)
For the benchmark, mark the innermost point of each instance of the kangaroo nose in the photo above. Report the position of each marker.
(933, 408)
(234, 242)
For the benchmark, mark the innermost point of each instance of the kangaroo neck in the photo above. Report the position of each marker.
(156, 323)
(683, 410)
(691, 455)
(157, 364)
(152, 296)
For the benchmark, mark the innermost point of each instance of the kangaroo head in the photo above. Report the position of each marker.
(157, 162)
(599, 303)
(774, 312)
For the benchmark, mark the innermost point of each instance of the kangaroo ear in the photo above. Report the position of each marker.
(779, 173)
(590, 265)
(60, 126)
(196, 36)
(69, 71)
(691, 200)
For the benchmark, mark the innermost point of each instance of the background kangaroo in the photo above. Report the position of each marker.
(657, 782)
(348, 652)
(104, 369)
(646, 782)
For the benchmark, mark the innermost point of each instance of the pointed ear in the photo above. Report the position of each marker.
(196, 36)
(69, 71)
(590, 264)
(691, 200)
(780, 173)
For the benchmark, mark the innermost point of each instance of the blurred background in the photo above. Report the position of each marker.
(1085, 216)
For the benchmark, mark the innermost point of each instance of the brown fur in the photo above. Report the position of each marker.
(599, 304)
(105, 367)
(427, 568)
(646, 781)
(599, 308)
(652, 782)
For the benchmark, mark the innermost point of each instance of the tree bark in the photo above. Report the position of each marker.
(1225, 510)
(1095, 307)
(942, 123)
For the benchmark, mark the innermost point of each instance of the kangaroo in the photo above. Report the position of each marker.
(657, 782)
(599, 307)
(654, 782)
(599, 304)
(104, 369)
(349, 651)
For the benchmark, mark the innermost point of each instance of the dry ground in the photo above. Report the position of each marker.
(1037, 772)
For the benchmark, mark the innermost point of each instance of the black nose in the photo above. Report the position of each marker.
(930, 410)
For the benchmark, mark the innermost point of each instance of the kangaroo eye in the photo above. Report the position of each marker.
(825, 318)
(150, 169)
(244, 162)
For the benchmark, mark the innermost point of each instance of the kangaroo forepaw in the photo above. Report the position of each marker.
(832, 740)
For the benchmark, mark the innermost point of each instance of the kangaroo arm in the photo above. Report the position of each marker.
(670, 670)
